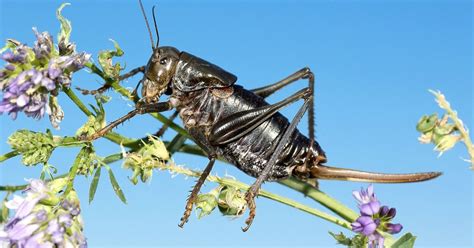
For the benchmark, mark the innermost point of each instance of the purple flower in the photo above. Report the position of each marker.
(393, 228)
(38, 225)
(387, 213)
(373, 216)
(376, 240)
(365, 196)
(370, 208)
(364, 225)
(29, 90)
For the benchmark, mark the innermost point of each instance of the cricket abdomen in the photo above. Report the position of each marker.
(251, 152)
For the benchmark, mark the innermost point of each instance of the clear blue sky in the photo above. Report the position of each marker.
(374, 63)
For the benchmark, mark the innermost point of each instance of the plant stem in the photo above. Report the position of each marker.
(8, 155)
(453, 115)
(13, 188)
(325, 200)
(264, 193)
(77, 101)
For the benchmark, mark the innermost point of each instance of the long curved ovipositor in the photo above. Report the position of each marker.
(334, 173)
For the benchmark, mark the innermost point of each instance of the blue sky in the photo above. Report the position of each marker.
(374, 62)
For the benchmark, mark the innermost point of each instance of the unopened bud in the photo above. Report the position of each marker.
(231, 201)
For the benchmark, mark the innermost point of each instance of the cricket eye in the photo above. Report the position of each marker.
(163, 61)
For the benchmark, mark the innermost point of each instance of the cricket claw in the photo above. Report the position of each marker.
(250, 198)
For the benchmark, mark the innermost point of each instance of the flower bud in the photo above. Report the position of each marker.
(231, 201)
(57, 185)
(447, 142)
(146, 174)
(427, 123)
(205, 203)
(35, 147)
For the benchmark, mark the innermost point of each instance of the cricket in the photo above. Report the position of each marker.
(227, 120)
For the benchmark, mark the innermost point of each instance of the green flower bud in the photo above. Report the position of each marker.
(444, 129)
(427, 123)
(151, 156)
(90, 127)
(447, 142)
(136, 174)
(146, 174)
(88, 161)
(231, 201)
(57, 185)
(105, 61)
(205, 203)
(35, 147)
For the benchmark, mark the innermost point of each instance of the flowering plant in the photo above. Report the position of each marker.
(48, 212)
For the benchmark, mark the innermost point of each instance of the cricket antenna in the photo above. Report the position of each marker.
(147, 25)
(156, 26)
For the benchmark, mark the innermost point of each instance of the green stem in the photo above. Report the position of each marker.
(453, 115)
(77, 101)
(13, 188)
(325, 200)
(8, 155)
(263, 193)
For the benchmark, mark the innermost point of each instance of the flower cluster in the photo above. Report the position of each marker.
(43, 219)
(373, 216)
(230, 200)
(153, 155)
(438, 131)
(32, 76)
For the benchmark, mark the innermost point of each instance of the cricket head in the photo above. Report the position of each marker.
(159, 73)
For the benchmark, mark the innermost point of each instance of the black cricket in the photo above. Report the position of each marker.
(228, 120)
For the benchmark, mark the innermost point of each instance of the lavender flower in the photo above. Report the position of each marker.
(34, 75)
(373, 217)
(42, 220)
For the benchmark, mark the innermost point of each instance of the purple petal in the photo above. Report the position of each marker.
(10, 67)
(370, 208)
(8, 56)
(65, 219)
(364, 225)
(22, 100)
(36, 78)
(48, 83)
(53, 72)
(26, 207)
(37, 186)
(20, 232)
(15, 202)
(53, 226)
(394, 228)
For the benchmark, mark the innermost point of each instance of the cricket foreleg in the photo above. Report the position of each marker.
(143, 109)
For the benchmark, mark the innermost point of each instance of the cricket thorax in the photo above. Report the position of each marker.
(250, 153)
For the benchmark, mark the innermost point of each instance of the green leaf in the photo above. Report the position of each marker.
(94, 183)
(66, 28)
(406, 241)
(82, 157)
(341, 238)
(118, 191)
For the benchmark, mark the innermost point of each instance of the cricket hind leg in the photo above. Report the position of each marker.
(201, 141)
(304, 73)
(108, 85)
(252, 192)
